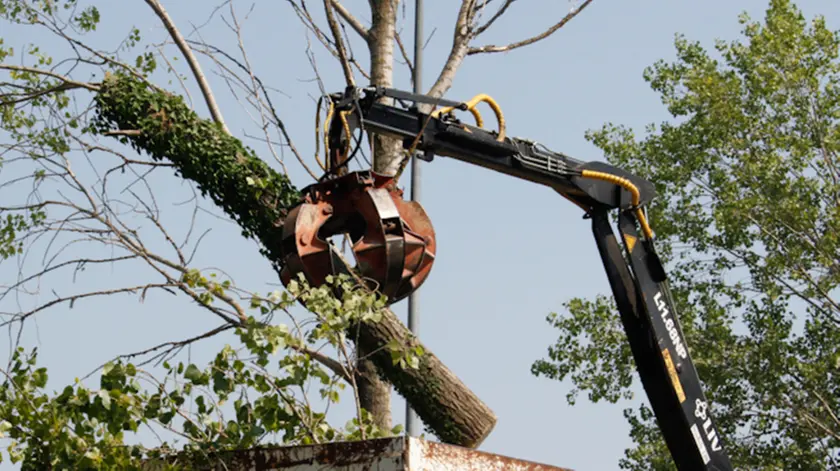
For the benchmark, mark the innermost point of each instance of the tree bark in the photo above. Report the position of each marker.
(387, 151)
(374, 393)
(447, 407)
(258, 198)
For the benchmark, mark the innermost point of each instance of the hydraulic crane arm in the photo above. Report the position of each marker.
(516, 157)
(636, 275)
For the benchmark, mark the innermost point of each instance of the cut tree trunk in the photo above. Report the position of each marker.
(258, 198)
(447, 407)
(374, 391)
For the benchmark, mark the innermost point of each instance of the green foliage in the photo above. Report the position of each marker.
(87, 19)
(76, 429)
(240, 399)
(18, 11)
(234, 177)
(31, 94)
(748, 218)
(584, 332)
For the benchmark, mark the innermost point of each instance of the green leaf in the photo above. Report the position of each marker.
(193, 374)
(106, 399)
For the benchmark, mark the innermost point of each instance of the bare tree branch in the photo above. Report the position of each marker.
(69, 82)
(501, 11)
(533, 39)
(19, 317)
(339, 43)
(172, 345)
(191, 60)
(310, 24)
(332, 364)
(123, 132)
(264, 100)
(460, 43)
(404, 54)
(351, 20)
(177, 76)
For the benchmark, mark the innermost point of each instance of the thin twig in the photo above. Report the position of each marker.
(66, 80)
(268, 102)
(525, 42)
(351, 20)
(339, 43)
(334, 365)
(177, 75)
(501, 11)
(457, 53)
(72, 299)
(404, 54)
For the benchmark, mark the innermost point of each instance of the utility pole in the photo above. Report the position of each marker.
(411, 419)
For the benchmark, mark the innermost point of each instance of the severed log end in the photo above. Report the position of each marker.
(450, 410)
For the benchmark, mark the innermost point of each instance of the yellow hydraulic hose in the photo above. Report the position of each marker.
(349, 134)
(327, 122)
(471, 107)
(634, 193)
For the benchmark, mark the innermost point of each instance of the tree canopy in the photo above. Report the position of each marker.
(747, 219)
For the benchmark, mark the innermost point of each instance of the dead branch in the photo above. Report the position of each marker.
(404, 54)
(339, 43)
(533, 39)
(191, 60)
(79, 262)
(351, 20)
(263, 99)
(459, 49)
(173, 345)
(20, 317)
(257, 86)
(310, 24)
(177, 75)
(501, 11)
(15, 98)
(67, 81)
(104, 58)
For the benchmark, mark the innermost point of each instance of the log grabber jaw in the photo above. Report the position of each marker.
(392, 240)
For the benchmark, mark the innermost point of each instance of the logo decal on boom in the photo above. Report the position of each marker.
(671, 325)
(701, 411)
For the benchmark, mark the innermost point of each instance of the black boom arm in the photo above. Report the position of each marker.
(636, 275)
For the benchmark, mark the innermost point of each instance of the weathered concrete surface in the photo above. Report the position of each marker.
(431, 456)
(385, 454)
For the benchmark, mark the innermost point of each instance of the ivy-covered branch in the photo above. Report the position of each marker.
(162, 125)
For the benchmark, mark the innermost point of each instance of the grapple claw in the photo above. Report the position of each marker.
(393, 240)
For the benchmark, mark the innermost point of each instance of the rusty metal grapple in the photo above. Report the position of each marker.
(392, 239)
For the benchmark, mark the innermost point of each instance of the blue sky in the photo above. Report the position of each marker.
(509, 252)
